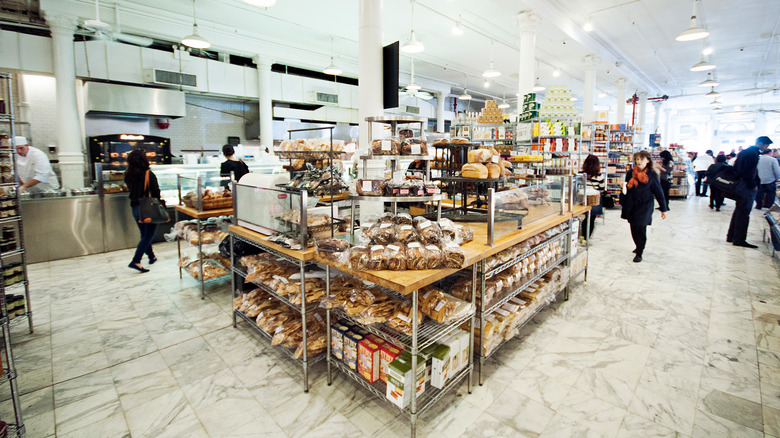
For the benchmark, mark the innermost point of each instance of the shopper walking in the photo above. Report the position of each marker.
(667, 168)
(231, 164)
(142, 183)
(700, 166)
(768, 175)
(716, 197)
(591, 167)
(746, 167)
(642, 185)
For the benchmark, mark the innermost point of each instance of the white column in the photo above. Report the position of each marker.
(639, 125)
(656, 116)
(527, 21)
(589, 62)
(265, 107)
(69, 148)
(621, 101)
(24, 106)
(440, 98)
(369, 64)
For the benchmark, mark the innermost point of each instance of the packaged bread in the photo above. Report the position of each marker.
(403, 219)
(386, 147)
(442, 307)
(313, 296)
(453, 256)
(465, 233)
(406, 234)
(211, 269)
(414, 146)
(459, 140)
(494, 170)
(480, 156)
(334, 250)
(403, 317)
(359, 300)
(396, 257)
(370, 187)
(449, 230)
(379, 311)
(474, 170)
(358, 258)
(376, 258)
(441, 142)
(415, 256)
(382, 233)
(429, 231)
(433, 256)
(461, 288)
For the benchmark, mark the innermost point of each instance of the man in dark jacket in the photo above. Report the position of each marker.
(746, 168)
(716, 197)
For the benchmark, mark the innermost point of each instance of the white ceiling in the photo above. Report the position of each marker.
(638, 34)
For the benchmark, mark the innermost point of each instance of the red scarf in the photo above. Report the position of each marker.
(637, 176)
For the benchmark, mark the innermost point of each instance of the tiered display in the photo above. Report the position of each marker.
(558, 103)
(314, 163)
(14, 274)
(530, 108)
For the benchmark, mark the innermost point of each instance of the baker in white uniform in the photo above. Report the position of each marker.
(33, 168)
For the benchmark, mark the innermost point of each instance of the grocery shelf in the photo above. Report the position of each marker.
(6, 117)
(268, 338)
(8, 186)
(531, 251)
(426, 198)
(548, 267)
(267, 249)
(311, 306)
(12, 253)
(9, 220)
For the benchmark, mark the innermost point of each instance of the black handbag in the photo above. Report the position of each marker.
(725, 181)
(151, 210)
(607, 201)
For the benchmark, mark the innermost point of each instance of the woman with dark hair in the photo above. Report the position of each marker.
(142, 183)
(591, 167)
(231, 164)
(641, 186)
(667, 167)
(716, 197)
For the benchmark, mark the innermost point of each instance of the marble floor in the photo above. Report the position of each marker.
(686, 343)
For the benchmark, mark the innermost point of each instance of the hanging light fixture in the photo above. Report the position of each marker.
(693, 32)
(412, 86)
(556, 73)
(712, 93)
(707, 51)
(491, 72)
(538, 86)
(588, 26)
(195, 40)
(716, 102)
(261, 3)
(465, 95)
(457, 28)
(709, 82)
(573, 99)
(602, 94)
(332, 69)
(486, 84)
(504, 105)
(413, 45)
(703, 65)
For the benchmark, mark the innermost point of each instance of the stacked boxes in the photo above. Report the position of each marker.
(558, 103)
(491, 113)
(530, 108)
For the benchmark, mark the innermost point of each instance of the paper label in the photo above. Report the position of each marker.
(403, 317)
(386, 145)
(425, 225)
(377, 248)
(282, 279)
(403, 192)
(406, 227)
(318, 317)
(394, 247)
(502, 312)
(432, 248)
(416, 149)
(439, 306)
(453, 245)
(495, 159)
(386, 225)
(367, 186)
(415, 245)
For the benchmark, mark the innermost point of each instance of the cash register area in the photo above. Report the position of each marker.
(662, 348)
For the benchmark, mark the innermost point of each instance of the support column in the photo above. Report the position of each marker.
(440, 97)
(589, 62)
(369, 65)
(70, 140)
(641, 116)
(657, 116)
(621, 101)
(265, 107)
(527, 20)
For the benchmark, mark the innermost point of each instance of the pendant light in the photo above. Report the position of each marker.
(332, 69)
(491, 72)
(588, 26)
(709, 82)
(412, 86)
(538, 86)
(457, 28)
(195, 40)
(693, 32)
(413, 45)
(504, 104)
(486, 84)
(556, 73)
(465, 95)
(703, 65)
(716, 102)
(261, 3)
(712, 93)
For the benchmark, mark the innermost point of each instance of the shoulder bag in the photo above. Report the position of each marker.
(151, 210)
(726, 181)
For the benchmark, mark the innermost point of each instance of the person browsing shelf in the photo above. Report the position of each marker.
(591, 167)
(231, 164)
(642, 185)
(667, 168)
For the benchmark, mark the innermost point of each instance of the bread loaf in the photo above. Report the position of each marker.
(494, 171)
(480, 156)
(459, 140)
(474, 170)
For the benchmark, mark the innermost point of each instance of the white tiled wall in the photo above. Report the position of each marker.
(41, 95)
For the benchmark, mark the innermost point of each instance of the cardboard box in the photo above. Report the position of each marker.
(427, 354)
(400, 380)
(351, 341)
(368, 360)
(337, 331)
(387, 353)
(453, 342)
(440, 367)
(463, 337)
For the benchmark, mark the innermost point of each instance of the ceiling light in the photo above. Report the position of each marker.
(573, 99)
(486, 84)
(413, 45)
(457, 28)
(588, 26)
(737, 108)
(538, 86)
(465, 95)
(712, 93)
(491, 72)
(693, 32)
(261, 3)
(195, 40)
(503, 105)
(602, 94)
(332, 69)
(556, 72)
(709, 82)
(707, 51)
(703, 65)
(716, 102)
(413, 87)
(517, 94)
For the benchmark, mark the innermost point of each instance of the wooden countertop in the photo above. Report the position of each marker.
(195, 214)
(262, 239)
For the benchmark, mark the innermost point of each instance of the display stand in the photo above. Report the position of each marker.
(15, 221)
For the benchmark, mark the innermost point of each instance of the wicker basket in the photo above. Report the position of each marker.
(593, 200)
(210, 204)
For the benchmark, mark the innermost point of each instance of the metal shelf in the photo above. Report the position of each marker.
(12, 253)
(278, 254)
(398, 157)
(531, 251)
(8, 186)
(549, 267)
(396, 119)
(6, 117)
(426, 198)
(267, 337)
(428, 332)
(268, 290)
(9, 220)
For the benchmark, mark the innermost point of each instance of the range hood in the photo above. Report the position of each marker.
(128, 101)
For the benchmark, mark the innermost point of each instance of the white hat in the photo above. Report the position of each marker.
(20, 141)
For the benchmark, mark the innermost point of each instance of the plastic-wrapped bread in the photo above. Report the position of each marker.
(370, 187)
(414, 146)
(403, 219)
(474, 170)
(465, 233)
(396, 257)
(402, 320)
(376, 258)
(433, 256)
(358, 258)
(386, 147)
(453, 256)
(382, 233)
(406, 234)
(415, 256)
(429, 232)
(442, 307)
(449, 230)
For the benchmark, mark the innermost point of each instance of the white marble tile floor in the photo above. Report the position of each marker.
(684, 344)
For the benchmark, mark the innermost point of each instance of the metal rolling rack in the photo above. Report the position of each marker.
(9, 368)
(423, 336)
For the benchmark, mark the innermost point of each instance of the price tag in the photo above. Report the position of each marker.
(394, 247)
(403, 318)
(406, 227)
(377, 248)
(386, 225)
(318, 317)
(282, 279)
(502, 312)
(495, 159)
(432, 248)
(367, 186)
(439, 306)
(415, 245)
(425, 225)
(416, 149)
(386, 145)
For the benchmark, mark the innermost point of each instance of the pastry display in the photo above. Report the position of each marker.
(416, 256)
(386, 147)
(396, 257)
(429, 231)
(309, 149)
(453, 256)
(414, 146)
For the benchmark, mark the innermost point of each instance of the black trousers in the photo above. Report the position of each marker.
(665, 186)
(639, 234)
(740, 219)
(700, 182)
(716, 198)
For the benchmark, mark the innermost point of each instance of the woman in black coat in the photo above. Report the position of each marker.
(642, 184)
(135, 179)
(667, 168)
